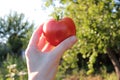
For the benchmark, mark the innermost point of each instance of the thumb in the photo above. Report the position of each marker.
(64, 45)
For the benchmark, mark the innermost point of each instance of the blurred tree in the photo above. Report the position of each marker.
(15, 32)
(3, 51)
(98, 30)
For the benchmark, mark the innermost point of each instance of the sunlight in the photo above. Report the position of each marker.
(31, 8)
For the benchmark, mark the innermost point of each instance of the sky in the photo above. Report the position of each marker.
(31, 8)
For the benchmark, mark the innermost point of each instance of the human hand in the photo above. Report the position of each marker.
(43, 58)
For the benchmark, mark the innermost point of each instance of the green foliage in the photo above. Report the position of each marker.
(106, 76)
(81, 75)
(48, 3)
(13, 68)
(98, 28)
(68, 63)
(15, 32)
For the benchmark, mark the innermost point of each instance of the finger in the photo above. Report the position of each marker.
(64, 45)
(42, 42)
(48, 47)
(35, 36)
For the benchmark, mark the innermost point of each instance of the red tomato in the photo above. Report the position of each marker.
(57, 31)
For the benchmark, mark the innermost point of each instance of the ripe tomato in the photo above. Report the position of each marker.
(56, 31)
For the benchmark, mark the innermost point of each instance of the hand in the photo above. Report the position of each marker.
(43, 58)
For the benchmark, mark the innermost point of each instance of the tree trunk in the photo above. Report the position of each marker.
(115, 61)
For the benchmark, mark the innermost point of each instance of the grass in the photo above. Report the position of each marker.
(83, 76)
(14, 68)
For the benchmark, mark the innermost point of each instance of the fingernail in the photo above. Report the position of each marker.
(73, 38)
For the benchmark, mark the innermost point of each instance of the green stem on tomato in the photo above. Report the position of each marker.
(57, 17)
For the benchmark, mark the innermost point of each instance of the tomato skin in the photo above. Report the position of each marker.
(56, 31)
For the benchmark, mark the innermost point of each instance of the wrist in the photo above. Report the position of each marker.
(37, 76)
